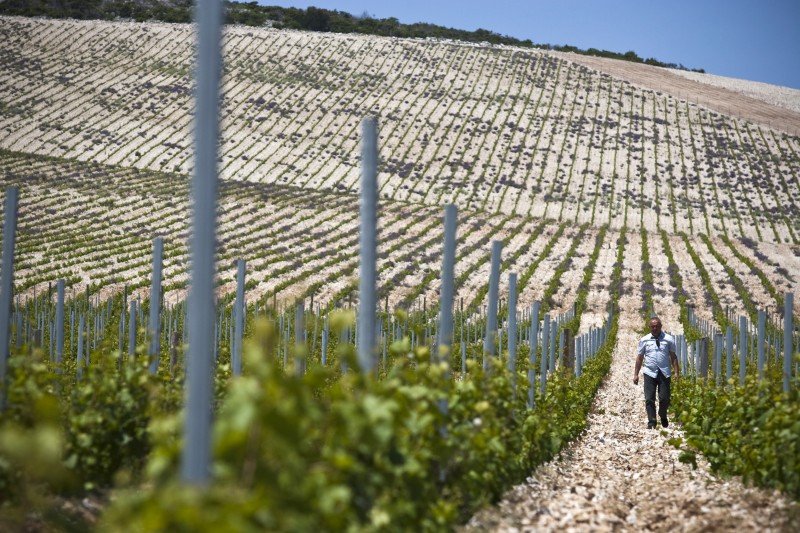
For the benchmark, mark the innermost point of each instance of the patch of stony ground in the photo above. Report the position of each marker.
(785, 97)
(761, 107)
(621, 476)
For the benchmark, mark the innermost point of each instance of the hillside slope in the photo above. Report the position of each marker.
(498, 129)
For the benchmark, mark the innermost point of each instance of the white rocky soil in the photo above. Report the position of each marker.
(785, 97)
(621, 476)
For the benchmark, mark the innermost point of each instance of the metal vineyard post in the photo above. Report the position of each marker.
(553, 332)
(132, 330)
(512, 330)
(7, 279)
(79, 361)
(299, 338)
(788, 329)
(545, 350)
(59, 320)
(325, 333)
(491, 315)
(448, 266)
(728, 352)
(238, 319)
(718, 357)
(155, 304)
(197, 426)
(533, 343)
(742, 349)
(316, 325)
(762, 322)
(368, 244)
(463, 346)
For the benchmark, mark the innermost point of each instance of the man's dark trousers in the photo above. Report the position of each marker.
(660, 382)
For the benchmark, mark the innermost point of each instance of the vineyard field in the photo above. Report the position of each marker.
(350, 282)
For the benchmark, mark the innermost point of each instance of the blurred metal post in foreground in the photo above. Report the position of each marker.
(7, 280)
(367, 299)
(196, 458)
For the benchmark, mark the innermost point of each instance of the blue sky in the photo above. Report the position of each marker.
(754, 40)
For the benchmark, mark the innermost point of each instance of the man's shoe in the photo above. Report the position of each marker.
(664, 422)
(651, 424)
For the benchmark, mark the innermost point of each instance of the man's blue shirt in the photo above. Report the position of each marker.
(656, 352)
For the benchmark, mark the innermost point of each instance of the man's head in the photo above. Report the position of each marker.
(655, 326)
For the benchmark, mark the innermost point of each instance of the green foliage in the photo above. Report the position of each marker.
(60, 436)
(752, 431)
(31, 444)
(688, 457)
(107, 418)
(316, 19)
(313, 452)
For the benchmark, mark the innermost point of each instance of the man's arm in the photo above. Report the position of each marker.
(639, 361)
(675, 366)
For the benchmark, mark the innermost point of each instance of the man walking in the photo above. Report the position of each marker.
(656, 351)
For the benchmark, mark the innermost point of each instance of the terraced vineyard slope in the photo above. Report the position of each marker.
(93, 226)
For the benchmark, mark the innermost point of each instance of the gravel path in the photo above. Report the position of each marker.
(621, 476)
